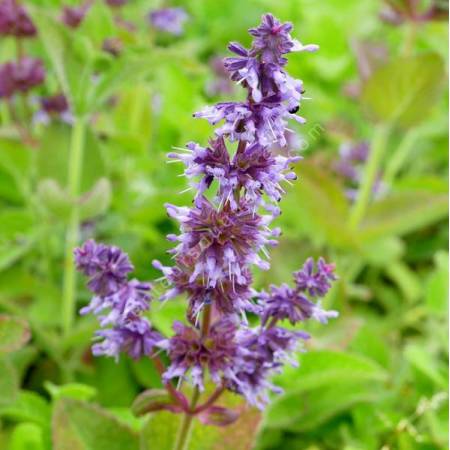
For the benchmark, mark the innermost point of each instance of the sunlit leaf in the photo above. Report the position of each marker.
(81, 426)
(317, 204)
(27, 407)
(161, 428)
(325, 384)
(9, 383)
(27, 436)
(405, 89)
(403, 212)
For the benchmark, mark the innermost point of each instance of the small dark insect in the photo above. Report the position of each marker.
(294, 110)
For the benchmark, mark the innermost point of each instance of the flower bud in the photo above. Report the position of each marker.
(219, 416)
(153, 400)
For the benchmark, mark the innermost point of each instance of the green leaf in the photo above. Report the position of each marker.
(54, 198)
(316, 203)
(383, 251)
(81, 426)
(323, 367)
(14, 333)
(306, 410)
(15, 223)
(405, 90)
(336, 380)
(97, 200)
(76, 391)
(437, 286)
(403, 212)
(426, 363)
(145, 372)
(52, 34)
(27, 436)
(9, 383)
(53, 155)
(368, 342)
(406, 279)
(114, 382)
(27, 407)
(15, 160)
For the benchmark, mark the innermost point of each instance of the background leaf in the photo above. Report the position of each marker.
(14, 333)
(405, 90)
(81, 426)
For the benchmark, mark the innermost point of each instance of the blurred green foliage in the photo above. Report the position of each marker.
(377, 377)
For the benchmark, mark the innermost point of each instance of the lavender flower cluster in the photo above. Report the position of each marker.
(19, 76)
(118, 302)
(222, 238)
(25, 73)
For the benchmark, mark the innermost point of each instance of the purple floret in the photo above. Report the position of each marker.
(253, 170)
(191, 352)
(260, 354)
(315, 282)
(107, 267)
(170, 20)
(14, 20)
(20, 76)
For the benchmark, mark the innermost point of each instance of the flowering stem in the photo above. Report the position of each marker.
(273, 322)
(410, 37)
(398, 159)
(370, 174)
(169, 387)
(211, 400)
(206, 320)
(72, 233)
(186, 423)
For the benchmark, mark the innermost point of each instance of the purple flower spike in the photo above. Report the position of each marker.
(170, 20)
(14, 20)
(107, 267)
(223, 235)
(285, 303)
(72, 16)
(20, 76)
(273, 96)
(272, 39)
(118, 303)
(135, 338)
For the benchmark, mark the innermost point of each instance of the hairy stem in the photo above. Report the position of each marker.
(159, 365)
(72, 232)
(211, 400)
(184, 432)
(398, 159)
(378, 147)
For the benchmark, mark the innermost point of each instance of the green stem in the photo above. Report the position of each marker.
(186, 423)
(409, 39)
(398, 159)
(378, 147)
(72, 232)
